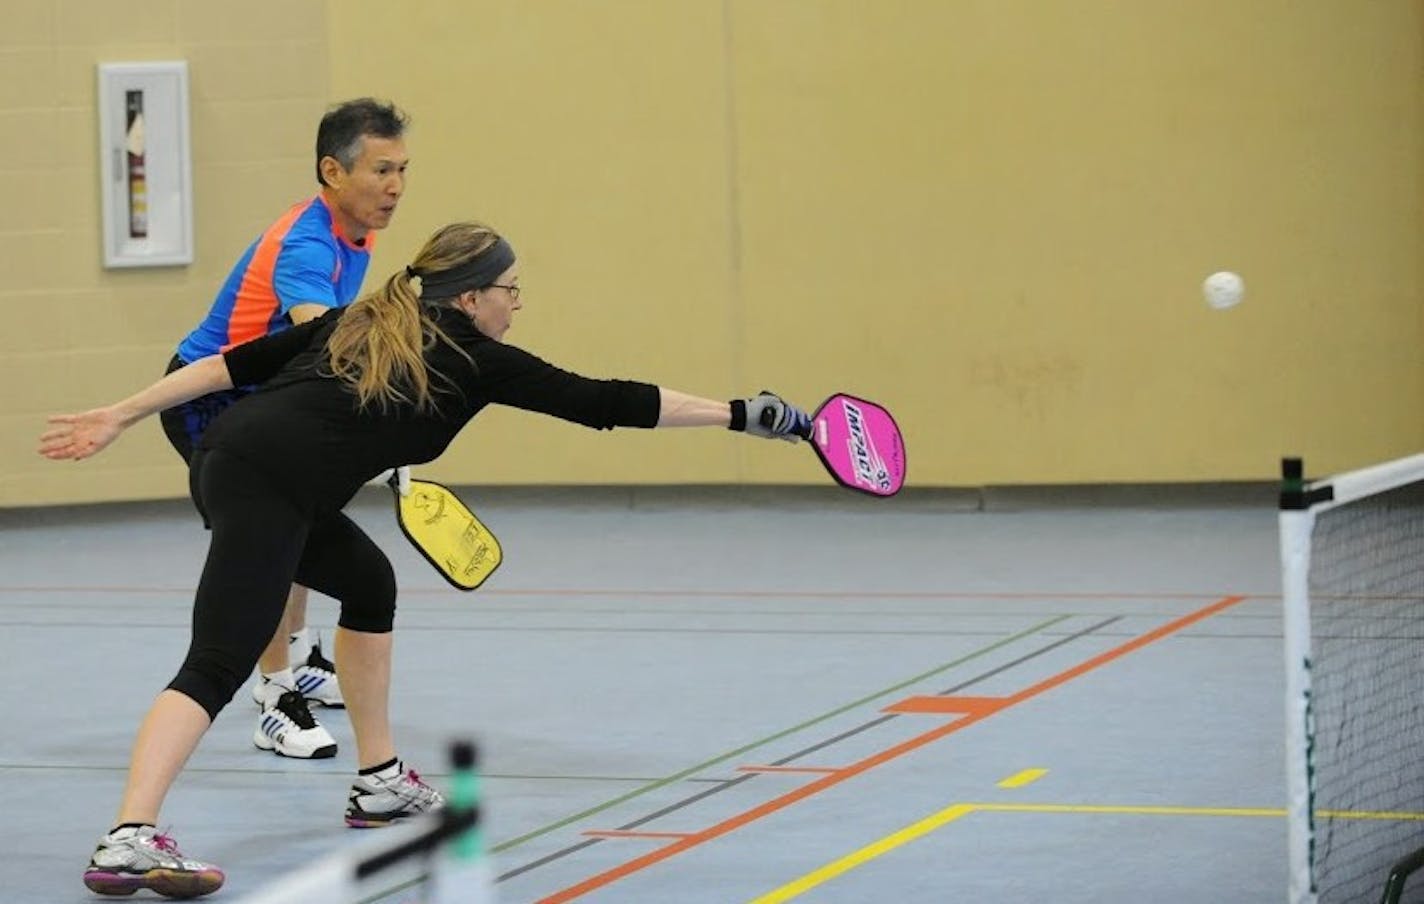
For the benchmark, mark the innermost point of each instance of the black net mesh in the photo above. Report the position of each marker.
(1367, 668)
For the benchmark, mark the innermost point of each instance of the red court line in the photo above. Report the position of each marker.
(817, 770)
(699, 594)
(621, 871)
(946, 705)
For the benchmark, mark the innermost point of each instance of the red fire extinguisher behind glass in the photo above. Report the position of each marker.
(138, 186)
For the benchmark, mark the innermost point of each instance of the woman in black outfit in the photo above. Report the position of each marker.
(388, 381)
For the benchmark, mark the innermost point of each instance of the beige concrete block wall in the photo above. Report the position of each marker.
(73, 334)
(596, 137)
(993, 216)
(999, 215)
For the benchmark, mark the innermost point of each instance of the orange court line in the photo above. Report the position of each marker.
(935, 704)
(812, 769)
(609, 876)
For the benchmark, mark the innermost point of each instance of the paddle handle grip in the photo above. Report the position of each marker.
(768, 420)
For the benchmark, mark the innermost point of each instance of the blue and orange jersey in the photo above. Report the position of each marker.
(303, 258)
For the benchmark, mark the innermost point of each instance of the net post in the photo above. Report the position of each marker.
(466, 876)
(1296, 524)
(1292, 484)
(465, 795)
(438, 854)
(1394, 887)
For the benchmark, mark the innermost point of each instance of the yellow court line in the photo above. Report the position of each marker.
(1101, 809)
(867, 853)
(1404, 816)
(1019, 779)
(950, 814)
(1371, 814)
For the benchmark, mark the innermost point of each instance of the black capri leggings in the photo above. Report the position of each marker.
(262, 542)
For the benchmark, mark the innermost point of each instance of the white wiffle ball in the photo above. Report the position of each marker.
(1223, 290)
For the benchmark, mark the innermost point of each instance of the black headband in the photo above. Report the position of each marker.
(476, 273)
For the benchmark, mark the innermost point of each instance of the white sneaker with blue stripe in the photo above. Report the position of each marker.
(316, 679)
(287, 728)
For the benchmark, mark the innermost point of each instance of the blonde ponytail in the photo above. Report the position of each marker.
(377, 347)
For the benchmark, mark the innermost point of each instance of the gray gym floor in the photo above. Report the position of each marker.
(712, 696)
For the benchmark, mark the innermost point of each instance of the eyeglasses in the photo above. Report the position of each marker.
(512, 290)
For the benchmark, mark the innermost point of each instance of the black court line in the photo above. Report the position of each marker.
(246, 770)
(566, 629)
(458, 606)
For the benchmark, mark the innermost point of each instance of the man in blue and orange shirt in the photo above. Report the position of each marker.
(309, 261)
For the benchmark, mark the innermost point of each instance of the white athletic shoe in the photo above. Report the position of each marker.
(287, 728)
(316, 679)
(259, 690)
(130, 859)
(376, 802)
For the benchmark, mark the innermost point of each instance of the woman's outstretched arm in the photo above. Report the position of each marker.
(678, 409)
(78, 436)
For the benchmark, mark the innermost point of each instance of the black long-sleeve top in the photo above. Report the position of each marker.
(304, 429)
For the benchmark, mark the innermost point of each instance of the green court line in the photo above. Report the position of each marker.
(692, 770)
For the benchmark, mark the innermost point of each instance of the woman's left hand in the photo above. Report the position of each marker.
(75, 437)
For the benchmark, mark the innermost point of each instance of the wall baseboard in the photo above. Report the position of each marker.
(1253, 494)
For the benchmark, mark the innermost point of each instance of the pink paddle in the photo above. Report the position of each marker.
(860, 445)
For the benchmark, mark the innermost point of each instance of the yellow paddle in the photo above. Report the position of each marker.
(447, 533)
